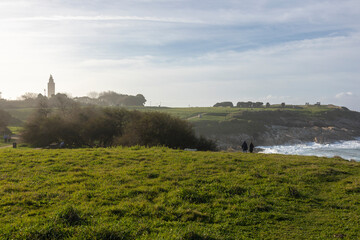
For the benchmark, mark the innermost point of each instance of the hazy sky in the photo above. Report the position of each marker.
(184, 52)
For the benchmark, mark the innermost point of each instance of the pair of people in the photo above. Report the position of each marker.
(245, 147)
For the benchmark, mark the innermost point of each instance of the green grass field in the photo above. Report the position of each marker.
(3, 144)
(192, 113)
(226, 113)
(158, 193)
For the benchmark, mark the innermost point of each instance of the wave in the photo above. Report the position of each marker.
(346, 149)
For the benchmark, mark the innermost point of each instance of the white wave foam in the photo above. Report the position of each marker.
(345, 149)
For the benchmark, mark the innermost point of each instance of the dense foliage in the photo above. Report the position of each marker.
(104, 127)
(5, 120)
(111, 98)
(249, 104)
(240, 104)
(224, 104)
(31, 100)
(231, 126)
(158, 193)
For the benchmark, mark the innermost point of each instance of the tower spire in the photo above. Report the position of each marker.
(51, 87)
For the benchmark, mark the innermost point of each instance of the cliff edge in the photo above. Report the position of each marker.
(282, 126)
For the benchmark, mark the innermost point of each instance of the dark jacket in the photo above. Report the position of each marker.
(251, 147)
(244, 146)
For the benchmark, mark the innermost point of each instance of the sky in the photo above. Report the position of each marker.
(181, 53)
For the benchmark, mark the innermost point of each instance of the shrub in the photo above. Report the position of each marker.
(105, 127)
(158, 129)
(224, 104)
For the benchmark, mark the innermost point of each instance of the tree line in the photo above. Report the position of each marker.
(109, 98)
(5, 119)
(248, 104)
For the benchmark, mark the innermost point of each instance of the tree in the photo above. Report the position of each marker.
(5, 118)
(111, 98)
(161, 129)
(244, 104)
(62, 102)
(101, 127)
(28, 96)
(43, 106)
(140, 100)
(93, 94)
(258, 104)
(115, 99)
(224, 104)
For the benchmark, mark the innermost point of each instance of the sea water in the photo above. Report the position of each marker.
(346, 149)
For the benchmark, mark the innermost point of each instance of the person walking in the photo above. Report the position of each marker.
(251, 147)
(244, 147)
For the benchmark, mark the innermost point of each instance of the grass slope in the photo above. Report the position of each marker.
(192, 113)
(158, 193)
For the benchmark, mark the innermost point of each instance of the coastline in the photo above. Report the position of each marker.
(346, 149)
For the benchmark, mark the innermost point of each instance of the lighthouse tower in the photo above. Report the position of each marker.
(51, 87)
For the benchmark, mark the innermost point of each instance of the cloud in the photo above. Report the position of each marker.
(103, 18)
(346, 98)
(134, 62)
(343, 95)
(188, 51)
(277, 98)
(227, 12)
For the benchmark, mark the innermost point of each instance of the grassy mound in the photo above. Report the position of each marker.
(158, 193)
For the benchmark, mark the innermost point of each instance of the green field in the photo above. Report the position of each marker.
(192, 113)
(3, 144)
(226, 113)
(159, 193)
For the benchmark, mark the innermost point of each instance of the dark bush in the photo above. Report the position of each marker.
(158, 129)
(5, 119)
(224, 104)
(105, 127)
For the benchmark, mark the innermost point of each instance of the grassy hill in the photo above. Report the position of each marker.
(265, 126)
(158, 193)
(193, 113)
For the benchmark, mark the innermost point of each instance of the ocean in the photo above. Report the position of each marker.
(349, 150)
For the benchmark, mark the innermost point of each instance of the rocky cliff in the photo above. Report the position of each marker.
(282, 127)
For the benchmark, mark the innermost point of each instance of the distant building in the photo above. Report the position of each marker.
(51, 87)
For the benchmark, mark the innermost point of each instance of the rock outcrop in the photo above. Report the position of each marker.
(283, 127)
